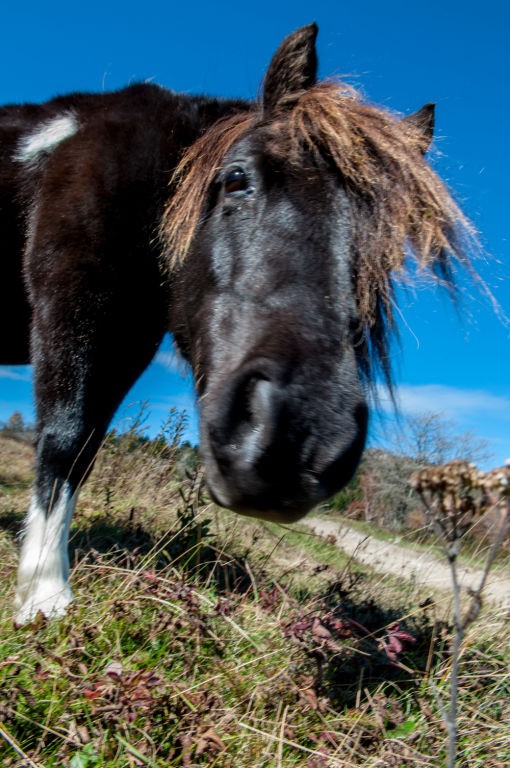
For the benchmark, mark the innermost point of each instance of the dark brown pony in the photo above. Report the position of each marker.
(262, 235)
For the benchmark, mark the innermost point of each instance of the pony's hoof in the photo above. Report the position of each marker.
(52, 606)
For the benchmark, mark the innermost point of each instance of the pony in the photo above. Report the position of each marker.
(263, 235)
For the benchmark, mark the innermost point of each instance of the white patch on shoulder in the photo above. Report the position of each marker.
(45, 138)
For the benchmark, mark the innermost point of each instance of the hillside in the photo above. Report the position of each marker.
(199, 638)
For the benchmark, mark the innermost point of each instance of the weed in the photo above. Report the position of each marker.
(456, 495)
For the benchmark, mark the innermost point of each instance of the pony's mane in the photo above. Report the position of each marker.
(399, 206)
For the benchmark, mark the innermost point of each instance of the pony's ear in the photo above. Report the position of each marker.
(292, 70)
(422, 125)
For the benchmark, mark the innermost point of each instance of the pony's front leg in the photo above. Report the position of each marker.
(78, 386)
(65, 451)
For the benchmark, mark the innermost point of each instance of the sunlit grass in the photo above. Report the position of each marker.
(198, 638)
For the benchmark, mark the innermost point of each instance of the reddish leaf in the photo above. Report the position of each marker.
(40, 675)
(92, 694)
(392, 644)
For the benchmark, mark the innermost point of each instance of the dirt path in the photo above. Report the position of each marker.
(408, 564)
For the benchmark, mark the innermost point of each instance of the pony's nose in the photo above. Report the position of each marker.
(274, 449)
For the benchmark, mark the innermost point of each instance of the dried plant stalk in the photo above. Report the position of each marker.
(456, 495)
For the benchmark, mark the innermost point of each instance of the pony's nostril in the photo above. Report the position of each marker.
(249, 405)
(261, 399)
(245, 426)
(252, 418)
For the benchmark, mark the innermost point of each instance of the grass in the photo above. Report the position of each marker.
(199, 638)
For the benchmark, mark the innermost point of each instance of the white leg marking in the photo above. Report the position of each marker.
(45, 138)
(43, 570)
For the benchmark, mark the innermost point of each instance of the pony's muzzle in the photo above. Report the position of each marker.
(260, 458)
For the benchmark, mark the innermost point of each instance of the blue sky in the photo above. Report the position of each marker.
(402, 54)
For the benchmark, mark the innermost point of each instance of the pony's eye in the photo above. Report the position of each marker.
(235, 181)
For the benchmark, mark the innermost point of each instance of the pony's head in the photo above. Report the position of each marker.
(286, 225)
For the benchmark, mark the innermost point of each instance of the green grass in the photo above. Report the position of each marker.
(199, 638)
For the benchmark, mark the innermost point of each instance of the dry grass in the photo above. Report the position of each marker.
(200, 639)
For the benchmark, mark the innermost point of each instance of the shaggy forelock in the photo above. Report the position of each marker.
(399, 206)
